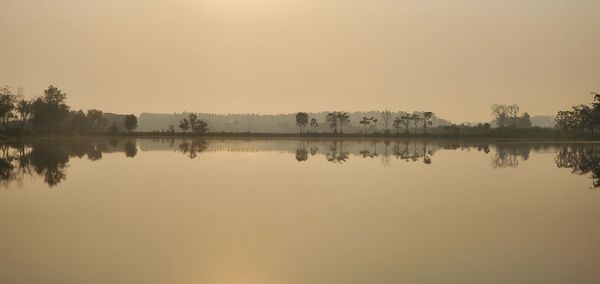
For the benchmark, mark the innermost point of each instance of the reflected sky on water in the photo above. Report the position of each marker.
(289, 211)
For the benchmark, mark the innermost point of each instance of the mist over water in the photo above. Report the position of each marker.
(298, 211)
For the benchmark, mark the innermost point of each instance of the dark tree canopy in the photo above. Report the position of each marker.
(131, 122)
(50, 110)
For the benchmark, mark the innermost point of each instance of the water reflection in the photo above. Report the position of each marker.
(193, 148)
(336, 153)
(412, 152)
(508, 156)
(50, 159)
(582, 160)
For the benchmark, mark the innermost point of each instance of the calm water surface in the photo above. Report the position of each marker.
(287, 211)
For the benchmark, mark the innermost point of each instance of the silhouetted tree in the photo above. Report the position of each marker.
(301, 120)
(406, 121)
(365, 122)
(344, 118)
(508, 116)
(50, 110)
(131, 122)
(427, 116)
(415, 118)
(581, 117)
(24, 109)
(7, 105)
(374, 120)
(397, 124)
(331, 118)
(184, 124)
(195, 124)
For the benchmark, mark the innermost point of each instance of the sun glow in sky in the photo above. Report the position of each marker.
(455, 58)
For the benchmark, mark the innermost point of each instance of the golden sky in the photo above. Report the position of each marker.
(455, 58)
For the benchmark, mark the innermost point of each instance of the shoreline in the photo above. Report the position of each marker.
(296, 136)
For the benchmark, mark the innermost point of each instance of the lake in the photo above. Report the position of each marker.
(288, 211)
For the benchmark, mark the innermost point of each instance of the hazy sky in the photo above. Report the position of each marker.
(455, 57)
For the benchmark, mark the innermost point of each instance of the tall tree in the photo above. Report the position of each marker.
(374, 120)
(343, 118)
(195, 124)
(184, 124)
(332, 119)
(50, 110)
(7, 104)
(131, 122)
(192, 118)
(24, 109)
(505, 115)
(301, 120)
(397, 124)
(427, 116)
(365, 122)
(415, 118)
(581, 118)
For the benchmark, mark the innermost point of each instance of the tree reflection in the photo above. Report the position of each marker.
(508, 156)
(336, 153)
(50, 160)
(582, 160)
(193, 148)
(385, 157)
(130, 149)
(301, 154)
(412, 153)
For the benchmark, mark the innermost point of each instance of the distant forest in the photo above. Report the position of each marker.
(268, 123)
(286, 123)
(49, 113)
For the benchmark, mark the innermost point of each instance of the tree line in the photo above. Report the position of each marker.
(336, 121)
(50, 114)
(581, 119)
(407, 123)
